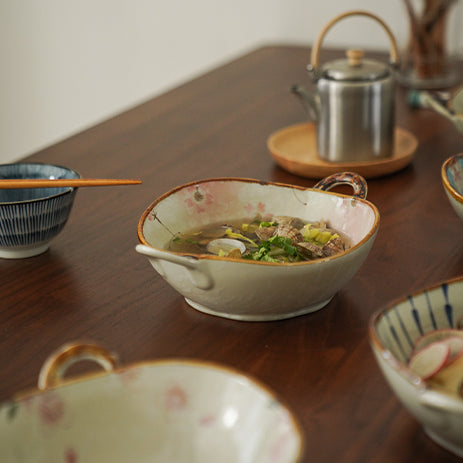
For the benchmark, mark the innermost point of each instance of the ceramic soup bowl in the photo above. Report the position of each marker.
(393, 334)
(255, 290)
(180, 411)
(452, 179)
(31, 217)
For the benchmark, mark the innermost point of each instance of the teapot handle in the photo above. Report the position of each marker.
(314, 61)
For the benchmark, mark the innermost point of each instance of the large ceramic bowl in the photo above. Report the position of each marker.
(254, 290)
(393, 333)
(31, 217)
(452, 179)
(180, 411)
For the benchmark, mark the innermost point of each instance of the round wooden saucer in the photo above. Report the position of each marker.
(294, 148)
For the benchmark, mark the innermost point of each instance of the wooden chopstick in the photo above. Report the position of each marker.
(64, 182)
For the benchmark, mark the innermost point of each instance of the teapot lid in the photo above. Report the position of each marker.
(355, 68)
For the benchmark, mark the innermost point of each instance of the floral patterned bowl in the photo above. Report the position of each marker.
(393, 333)
(180, 411)
(254, 290)
(452, 179)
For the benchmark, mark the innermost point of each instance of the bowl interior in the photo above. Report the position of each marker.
(202, 203)
(164, 411)
(398, 327)
(33, 171)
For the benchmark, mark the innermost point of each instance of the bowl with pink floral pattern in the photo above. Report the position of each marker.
(452, 179)
(155, 411)
(244, 289)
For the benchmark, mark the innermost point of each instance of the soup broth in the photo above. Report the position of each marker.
(279, 239)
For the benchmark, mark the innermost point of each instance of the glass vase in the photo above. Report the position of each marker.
(430, 41)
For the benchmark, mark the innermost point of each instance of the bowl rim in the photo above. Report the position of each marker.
(371, 232)
(66, 190)
(445, 179)
(376, 344)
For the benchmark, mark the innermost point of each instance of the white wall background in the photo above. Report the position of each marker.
(66, 65)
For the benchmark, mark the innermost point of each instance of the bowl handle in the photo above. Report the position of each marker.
(441, 402)
(53, 370)
(198, 277)
(356, 181)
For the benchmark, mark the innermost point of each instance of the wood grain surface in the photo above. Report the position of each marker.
(92, 285)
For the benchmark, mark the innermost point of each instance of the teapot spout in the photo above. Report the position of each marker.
(309, 100)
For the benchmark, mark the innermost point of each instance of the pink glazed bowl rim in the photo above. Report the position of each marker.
(371, 232)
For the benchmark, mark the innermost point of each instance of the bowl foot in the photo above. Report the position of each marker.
(257, 317)
(451, 447)
(23, 252)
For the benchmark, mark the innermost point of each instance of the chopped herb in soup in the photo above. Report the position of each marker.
(281, 239)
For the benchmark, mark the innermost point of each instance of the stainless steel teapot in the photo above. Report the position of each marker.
(354, 102)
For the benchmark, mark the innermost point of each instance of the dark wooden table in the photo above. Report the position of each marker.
(92, 284)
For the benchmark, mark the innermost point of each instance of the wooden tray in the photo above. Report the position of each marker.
(294, 148)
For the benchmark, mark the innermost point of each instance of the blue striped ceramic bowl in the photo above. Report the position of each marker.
(31, 217)
(393, 332)
(452, 179)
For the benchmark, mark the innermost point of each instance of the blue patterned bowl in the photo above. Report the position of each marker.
(31, 217)
(452, 179)
(393, 333)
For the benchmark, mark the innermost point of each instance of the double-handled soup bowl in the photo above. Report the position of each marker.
(181, 411)
(255, 290)
(396, 330)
